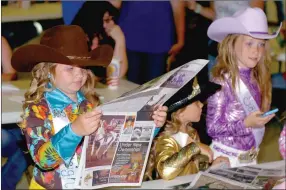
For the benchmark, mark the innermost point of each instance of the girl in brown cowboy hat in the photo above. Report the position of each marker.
(58, 106)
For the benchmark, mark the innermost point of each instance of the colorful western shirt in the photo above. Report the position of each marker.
(48, 149)
(225, 114)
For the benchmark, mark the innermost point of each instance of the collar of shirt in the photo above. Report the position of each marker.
(59, 100)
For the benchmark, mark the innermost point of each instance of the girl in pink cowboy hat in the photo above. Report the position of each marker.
(234, 118)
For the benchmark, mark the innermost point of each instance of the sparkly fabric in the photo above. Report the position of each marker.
(172, 160)
(225, 114)
(282, 143)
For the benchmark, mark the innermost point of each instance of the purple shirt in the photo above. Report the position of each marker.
(225, 114)
(148, 26)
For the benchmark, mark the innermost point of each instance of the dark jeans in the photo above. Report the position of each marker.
(143, 67)
(17, 163)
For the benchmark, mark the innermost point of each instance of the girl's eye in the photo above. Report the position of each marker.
(262, 44)
(84, 71)
(249, 44)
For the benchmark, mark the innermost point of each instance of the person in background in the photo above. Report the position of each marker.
(150, 28)
(234, 118)
(70, 9)
(198, 18)
(13, 147)
(101, 29)
(282, 149)
(282, 142)
(8, 72)
(12, 140)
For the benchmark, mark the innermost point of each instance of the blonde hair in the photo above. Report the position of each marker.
(172, 127)
(40, 79)
(227, 64)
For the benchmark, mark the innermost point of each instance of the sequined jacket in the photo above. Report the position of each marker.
(49, 150)
(282, 143)
(172, 160)
(225, 114)
(174, 157)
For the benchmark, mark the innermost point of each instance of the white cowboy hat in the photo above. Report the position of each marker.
(249, 21)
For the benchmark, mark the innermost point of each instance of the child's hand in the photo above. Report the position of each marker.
(160, 115)
(87, 123)
(255, 120)
(205, 150)
(115, 33)
(221, 159)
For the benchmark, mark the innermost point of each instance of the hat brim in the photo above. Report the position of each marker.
(25, 58)
(220, 28)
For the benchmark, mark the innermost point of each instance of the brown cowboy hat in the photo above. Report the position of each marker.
(61, 44)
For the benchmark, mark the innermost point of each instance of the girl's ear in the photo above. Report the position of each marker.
(179, 115)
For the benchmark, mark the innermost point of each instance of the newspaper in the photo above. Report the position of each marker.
(117, 153)
(248, 177)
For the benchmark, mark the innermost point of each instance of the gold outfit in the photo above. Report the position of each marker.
(171, 160)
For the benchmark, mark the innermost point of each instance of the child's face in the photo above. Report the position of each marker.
(249, 51)
(192, 113)
(108, 21)
(69, 78)
(129, 123)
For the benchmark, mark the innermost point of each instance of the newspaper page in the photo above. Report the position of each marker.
(151, 94)
(251, 176)
(117, 153)
(205, 180)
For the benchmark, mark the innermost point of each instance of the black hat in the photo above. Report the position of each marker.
(183, 97)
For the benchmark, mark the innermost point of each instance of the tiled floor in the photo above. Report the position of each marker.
(269, 151)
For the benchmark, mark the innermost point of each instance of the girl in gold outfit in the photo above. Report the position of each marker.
(177, 151)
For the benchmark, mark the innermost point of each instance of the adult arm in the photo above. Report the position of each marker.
(179, 18)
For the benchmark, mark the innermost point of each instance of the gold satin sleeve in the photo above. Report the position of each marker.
(172, 161)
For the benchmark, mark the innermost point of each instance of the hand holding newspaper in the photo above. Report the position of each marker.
(117, 153)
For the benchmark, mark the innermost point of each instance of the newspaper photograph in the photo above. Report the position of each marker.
(207, 181)
(117, 153)
(128, 162)
(103, 143)
(251, 176)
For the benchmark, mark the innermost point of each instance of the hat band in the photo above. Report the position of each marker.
(77, 57)
(262, 33)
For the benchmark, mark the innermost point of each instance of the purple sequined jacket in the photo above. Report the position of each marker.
(225, 114)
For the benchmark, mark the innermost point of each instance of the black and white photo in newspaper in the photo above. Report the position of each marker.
(205, 180)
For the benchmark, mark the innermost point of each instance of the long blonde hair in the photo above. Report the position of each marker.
(227, 64)
(40, 79)
(172, 127)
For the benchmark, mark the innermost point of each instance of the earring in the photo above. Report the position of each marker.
(49, 76)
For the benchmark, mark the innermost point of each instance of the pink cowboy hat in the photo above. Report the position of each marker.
(249, 21)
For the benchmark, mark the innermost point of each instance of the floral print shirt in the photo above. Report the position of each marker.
(49, 149)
